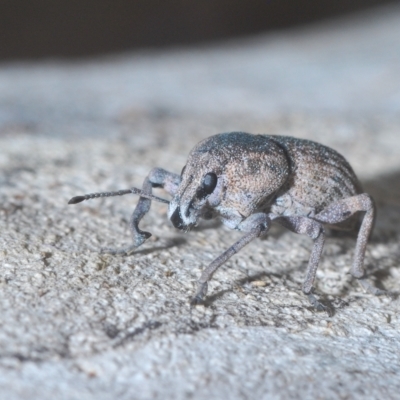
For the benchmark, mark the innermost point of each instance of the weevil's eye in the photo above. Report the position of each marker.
(207, 187)
(209, 182)
(183, 170)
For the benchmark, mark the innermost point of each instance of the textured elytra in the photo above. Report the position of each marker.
(319, 176)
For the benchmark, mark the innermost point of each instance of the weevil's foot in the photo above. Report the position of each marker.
(200, 294)
(126, 251)
(319, 306)
(196, 301)
(374, 290)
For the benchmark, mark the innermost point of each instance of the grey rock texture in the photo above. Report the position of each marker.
(76, 324)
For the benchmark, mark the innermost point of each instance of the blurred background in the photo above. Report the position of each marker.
(57, 28)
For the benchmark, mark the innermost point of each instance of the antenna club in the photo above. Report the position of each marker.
(76, 199)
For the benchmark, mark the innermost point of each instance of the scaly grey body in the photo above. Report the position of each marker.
(250, 181)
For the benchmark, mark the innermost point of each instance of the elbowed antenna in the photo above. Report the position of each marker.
(78, 199)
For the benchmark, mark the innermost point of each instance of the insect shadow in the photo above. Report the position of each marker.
(385, 189)
(259, 276)
(174, 242)
(205, 225)
(380, 276)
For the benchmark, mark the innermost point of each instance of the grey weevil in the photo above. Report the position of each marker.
(250, 181)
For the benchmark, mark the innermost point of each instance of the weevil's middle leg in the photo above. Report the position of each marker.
(340, 211)
(315, 231)
(256, 225)
(157, 178)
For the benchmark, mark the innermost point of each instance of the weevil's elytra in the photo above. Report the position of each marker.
(251, 181)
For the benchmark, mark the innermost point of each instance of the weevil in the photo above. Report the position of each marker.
(251, 181)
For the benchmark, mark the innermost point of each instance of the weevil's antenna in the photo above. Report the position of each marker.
(78, 199)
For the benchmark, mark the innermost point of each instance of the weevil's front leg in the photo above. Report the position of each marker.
(256, 225)
(315, 231)
(343, 209)
(157, 178)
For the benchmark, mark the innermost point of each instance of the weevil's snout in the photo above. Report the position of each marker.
(192, 202)
(176, 219)
(181, 216)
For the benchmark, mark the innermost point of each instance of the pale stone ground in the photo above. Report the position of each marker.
(79, 325)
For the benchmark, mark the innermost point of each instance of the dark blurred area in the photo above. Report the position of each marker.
(55, 28)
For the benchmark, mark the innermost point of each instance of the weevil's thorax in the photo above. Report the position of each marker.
(249, 169)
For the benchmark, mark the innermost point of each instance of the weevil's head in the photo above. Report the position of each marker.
(231, 175)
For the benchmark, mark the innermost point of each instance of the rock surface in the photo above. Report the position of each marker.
(77, 324)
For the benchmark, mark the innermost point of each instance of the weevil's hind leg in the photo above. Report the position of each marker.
(256, 225)
(340, 211)
(157, 178)
(315, 231)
